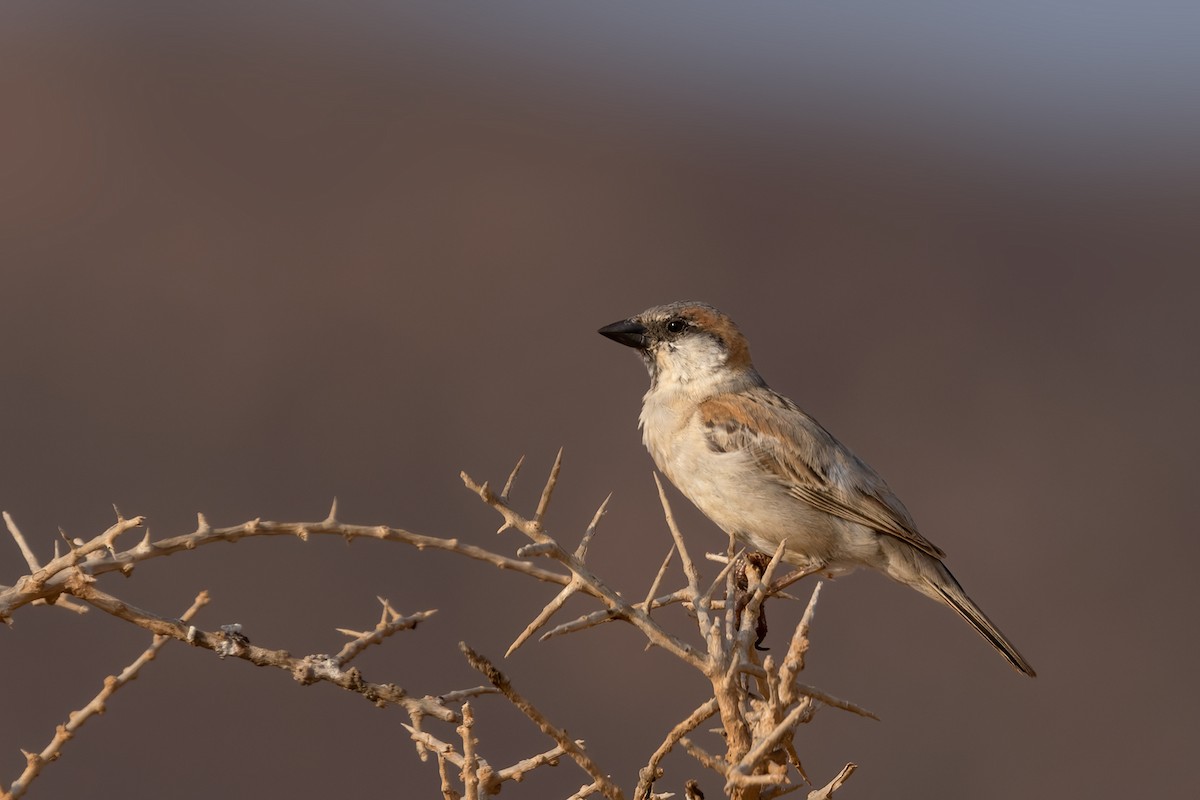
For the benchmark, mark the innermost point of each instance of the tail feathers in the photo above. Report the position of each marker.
(953, 595)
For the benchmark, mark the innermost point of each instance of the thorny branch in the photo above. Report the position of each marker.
(757, 730)
(75, 720)
(99, 556)
(759, 706)
(230, 643)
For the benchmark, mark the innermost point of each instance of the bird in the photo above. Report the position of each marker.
(766, 472)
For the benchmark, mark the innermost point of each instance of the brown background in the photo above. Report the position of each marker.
(253, 260)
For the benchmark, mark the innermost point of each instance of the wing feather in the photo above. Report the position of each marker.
(815, 467)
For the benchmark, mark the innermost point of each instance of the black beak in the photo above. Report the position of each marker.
(627, 332)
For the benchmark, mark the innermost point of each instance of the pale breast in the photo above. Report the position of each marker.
(732, 490)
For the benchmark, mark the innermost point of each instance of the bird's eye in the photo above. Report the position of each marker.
(676, 325)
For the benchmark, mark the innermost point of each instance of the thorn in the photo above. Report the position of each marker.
(389, 614)
(202, 525)
(551, 482)
(332, 518)
(581, 551)
(512, 477)
(72, 545)
(117, 511)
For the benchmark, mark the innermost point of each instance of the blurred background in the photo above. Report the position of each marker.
(253, 258)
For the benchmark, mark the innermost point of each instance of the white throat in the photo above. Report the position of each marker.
(695, 365)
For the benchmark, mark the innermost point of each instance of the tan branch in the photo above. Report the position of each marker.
(662, 570)
(569, 746)
(231, 643)
(742, 772)
(470, 765)
(76, 719)
(609, 615)
(689, 566)
(652, 772)
(825, 792)
(489, 779)
(94, 558)
(35, 568)
(705, 758)
(391, 622)
(545, 614)
(830, 700)
(551, 482)
(518, 771)
(623, 609)
(448, 790)
(793, 661)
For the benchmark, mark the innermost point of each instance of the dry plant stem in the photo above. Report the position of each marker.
(572, 749)
(35, 567)
(825, 792)
(745, 635)
(391, 622)
(758, 754)
(489, 780)
(307, 670)
(548, 490)
(546, 613)
(30, 558)
(705, 758)
(581, 550)
(446, 754)
(76, 719)
(721, 667)
(793, 660)
(722, 580)
(448, 790)
(759, 706)
(512, 478)
(651, 772)
(609, 615)
(463, 694)
(592, 583)
(585, 791)
(740, 775)
(689, 567)
(518, 771)
(429, 742)
(470, 765)
(647, 604)
(830, 700)
(96, 558)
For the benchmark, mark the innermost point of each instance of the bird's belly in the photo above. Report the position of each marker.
(733, 491)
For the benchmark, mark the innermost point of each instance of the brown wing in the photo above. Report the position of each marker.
(815, 467)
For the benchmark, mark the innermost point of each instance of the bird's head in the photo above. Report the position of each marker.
(686, 343)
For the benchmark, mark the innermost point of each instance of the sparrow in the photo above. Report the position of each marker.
(766, 472)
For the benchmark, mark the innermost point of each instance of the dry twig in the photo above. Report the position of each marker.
(34, 762)
(759, 705)
(569, 746)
